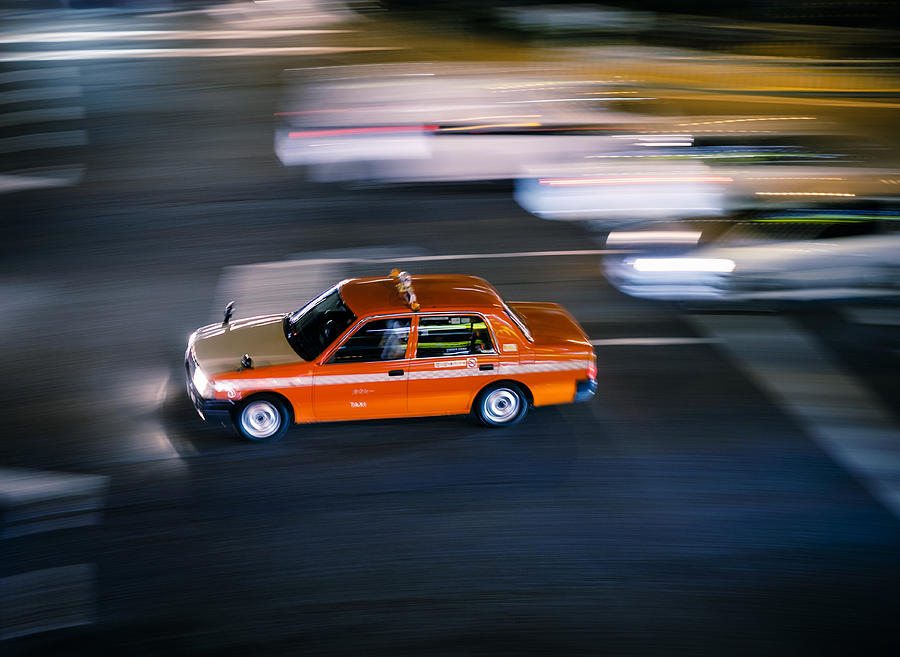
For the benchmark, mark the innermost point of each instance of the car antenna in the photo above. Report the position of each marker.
(229, 311)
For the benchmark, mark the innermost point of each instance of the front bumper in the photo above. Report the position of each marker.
(210, 410)
(585, 389)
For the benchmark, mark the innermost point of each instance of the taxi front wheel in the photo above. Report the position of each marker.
(262, 418)
(500, 405)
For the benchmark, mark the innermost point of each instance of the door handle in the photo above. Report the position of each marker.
(395, 373)
(486, 366)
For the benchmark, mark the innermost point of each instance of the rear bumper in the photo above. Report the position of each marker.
(585, 389)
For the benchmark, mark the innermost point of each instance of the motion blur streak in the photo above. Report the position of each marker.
(625, 181)
(653, 237)
(361, 131)
(158, 53)
(804, 194)
(757, 118)
(156, 35)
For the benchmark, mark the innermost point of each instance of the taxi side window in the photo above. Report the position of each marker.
(453, 335)
(380, 339)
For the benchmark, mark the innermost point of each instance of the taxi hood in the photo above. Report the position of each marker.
(219, 348)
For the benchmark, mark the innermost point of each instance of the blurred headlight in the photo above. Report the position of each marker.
(202, 384)
(716, 265)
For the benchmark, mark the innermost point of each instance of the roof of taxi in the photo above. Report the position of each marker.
(376, 295)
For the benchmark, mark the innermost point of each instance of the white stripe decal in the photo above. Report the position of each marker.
(303, 381)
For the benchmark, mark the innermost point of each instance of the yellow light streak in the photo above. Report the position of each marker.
(492, 125)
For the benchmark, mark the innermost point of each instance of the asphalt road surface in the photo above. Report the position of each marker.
(732, 489)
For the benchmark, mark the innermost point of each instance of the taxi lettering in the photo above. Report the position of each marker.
(442, 364)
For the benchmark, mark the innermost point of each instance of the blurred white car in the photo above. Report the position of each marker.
(842, 268)
(627, 191)
(425, 122)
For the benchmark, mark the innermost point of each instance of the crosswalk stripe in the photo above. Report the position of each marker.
(38, 140)
(45, 177)
(39, 501)
(48, 599)
(843, 417)
(155, 35)
(42, 115)
(156, 53)
(39, 74)
(38, 93)
(873, 315)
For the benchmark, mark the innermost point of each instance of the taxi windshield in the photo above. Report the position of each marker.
(315, 326)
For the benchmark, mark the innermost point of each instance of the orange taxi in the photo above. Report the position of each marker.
(387, 347)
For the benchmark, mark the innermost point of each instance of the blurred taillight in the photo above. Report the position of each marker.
(592, 370)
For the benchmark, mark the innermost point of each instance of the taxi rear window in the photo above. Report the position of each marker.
(518, 320)
(453, 335)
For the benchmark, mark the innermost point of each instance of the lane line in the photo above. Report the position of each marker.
(836, 410)
(43, 115)
(430, 258)
(157, 53)
(652, 342)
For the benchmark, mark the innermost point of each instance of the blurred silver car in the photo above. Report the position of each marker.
(843, 268)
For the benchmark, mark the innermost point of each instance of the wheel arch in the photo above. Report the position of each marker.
(529, 396)
(266, 393)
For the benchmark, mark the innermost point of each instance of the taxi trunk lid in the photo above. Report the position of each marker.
(550, 323)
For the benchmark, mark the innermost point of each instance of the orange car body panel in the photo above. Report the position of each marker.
(322, 390)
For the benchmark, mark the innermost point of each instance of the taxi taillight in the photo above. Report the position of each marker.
(592, 370)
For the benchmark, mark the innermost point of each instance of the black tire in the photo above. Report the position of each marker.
(262, 418)
(500, 405)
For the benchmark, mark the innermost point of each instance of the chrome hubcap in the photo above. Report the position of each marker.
(260, 419)
(501, 405)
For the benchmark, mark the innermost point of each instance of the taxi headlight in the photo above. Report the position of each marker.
(202, 384)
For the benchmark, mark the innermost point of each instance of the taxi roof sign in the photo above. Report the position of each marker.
(404, 286)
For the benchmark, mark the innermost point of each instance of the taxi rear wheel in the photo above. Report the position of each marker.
(500, 405)
(262, 418)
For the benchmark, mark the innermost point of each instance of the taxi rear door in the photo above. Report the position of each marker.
(454, 357)
(366, 377)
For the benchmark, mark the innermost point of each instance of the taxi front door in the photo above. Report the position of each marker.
(367, 376)
(454, 359)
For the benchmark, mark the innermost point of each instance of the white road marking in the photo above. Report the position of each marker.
(157, 53)
(437, 258)
(38, 93)
(63, 176)
(652, 342)
(274, 287)
(39, 74)
(846, 420)
(38, 501)
(263, 290)
(155, 35)
(873, 315)
(49, 599)
(39, 140)
(42, 115)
